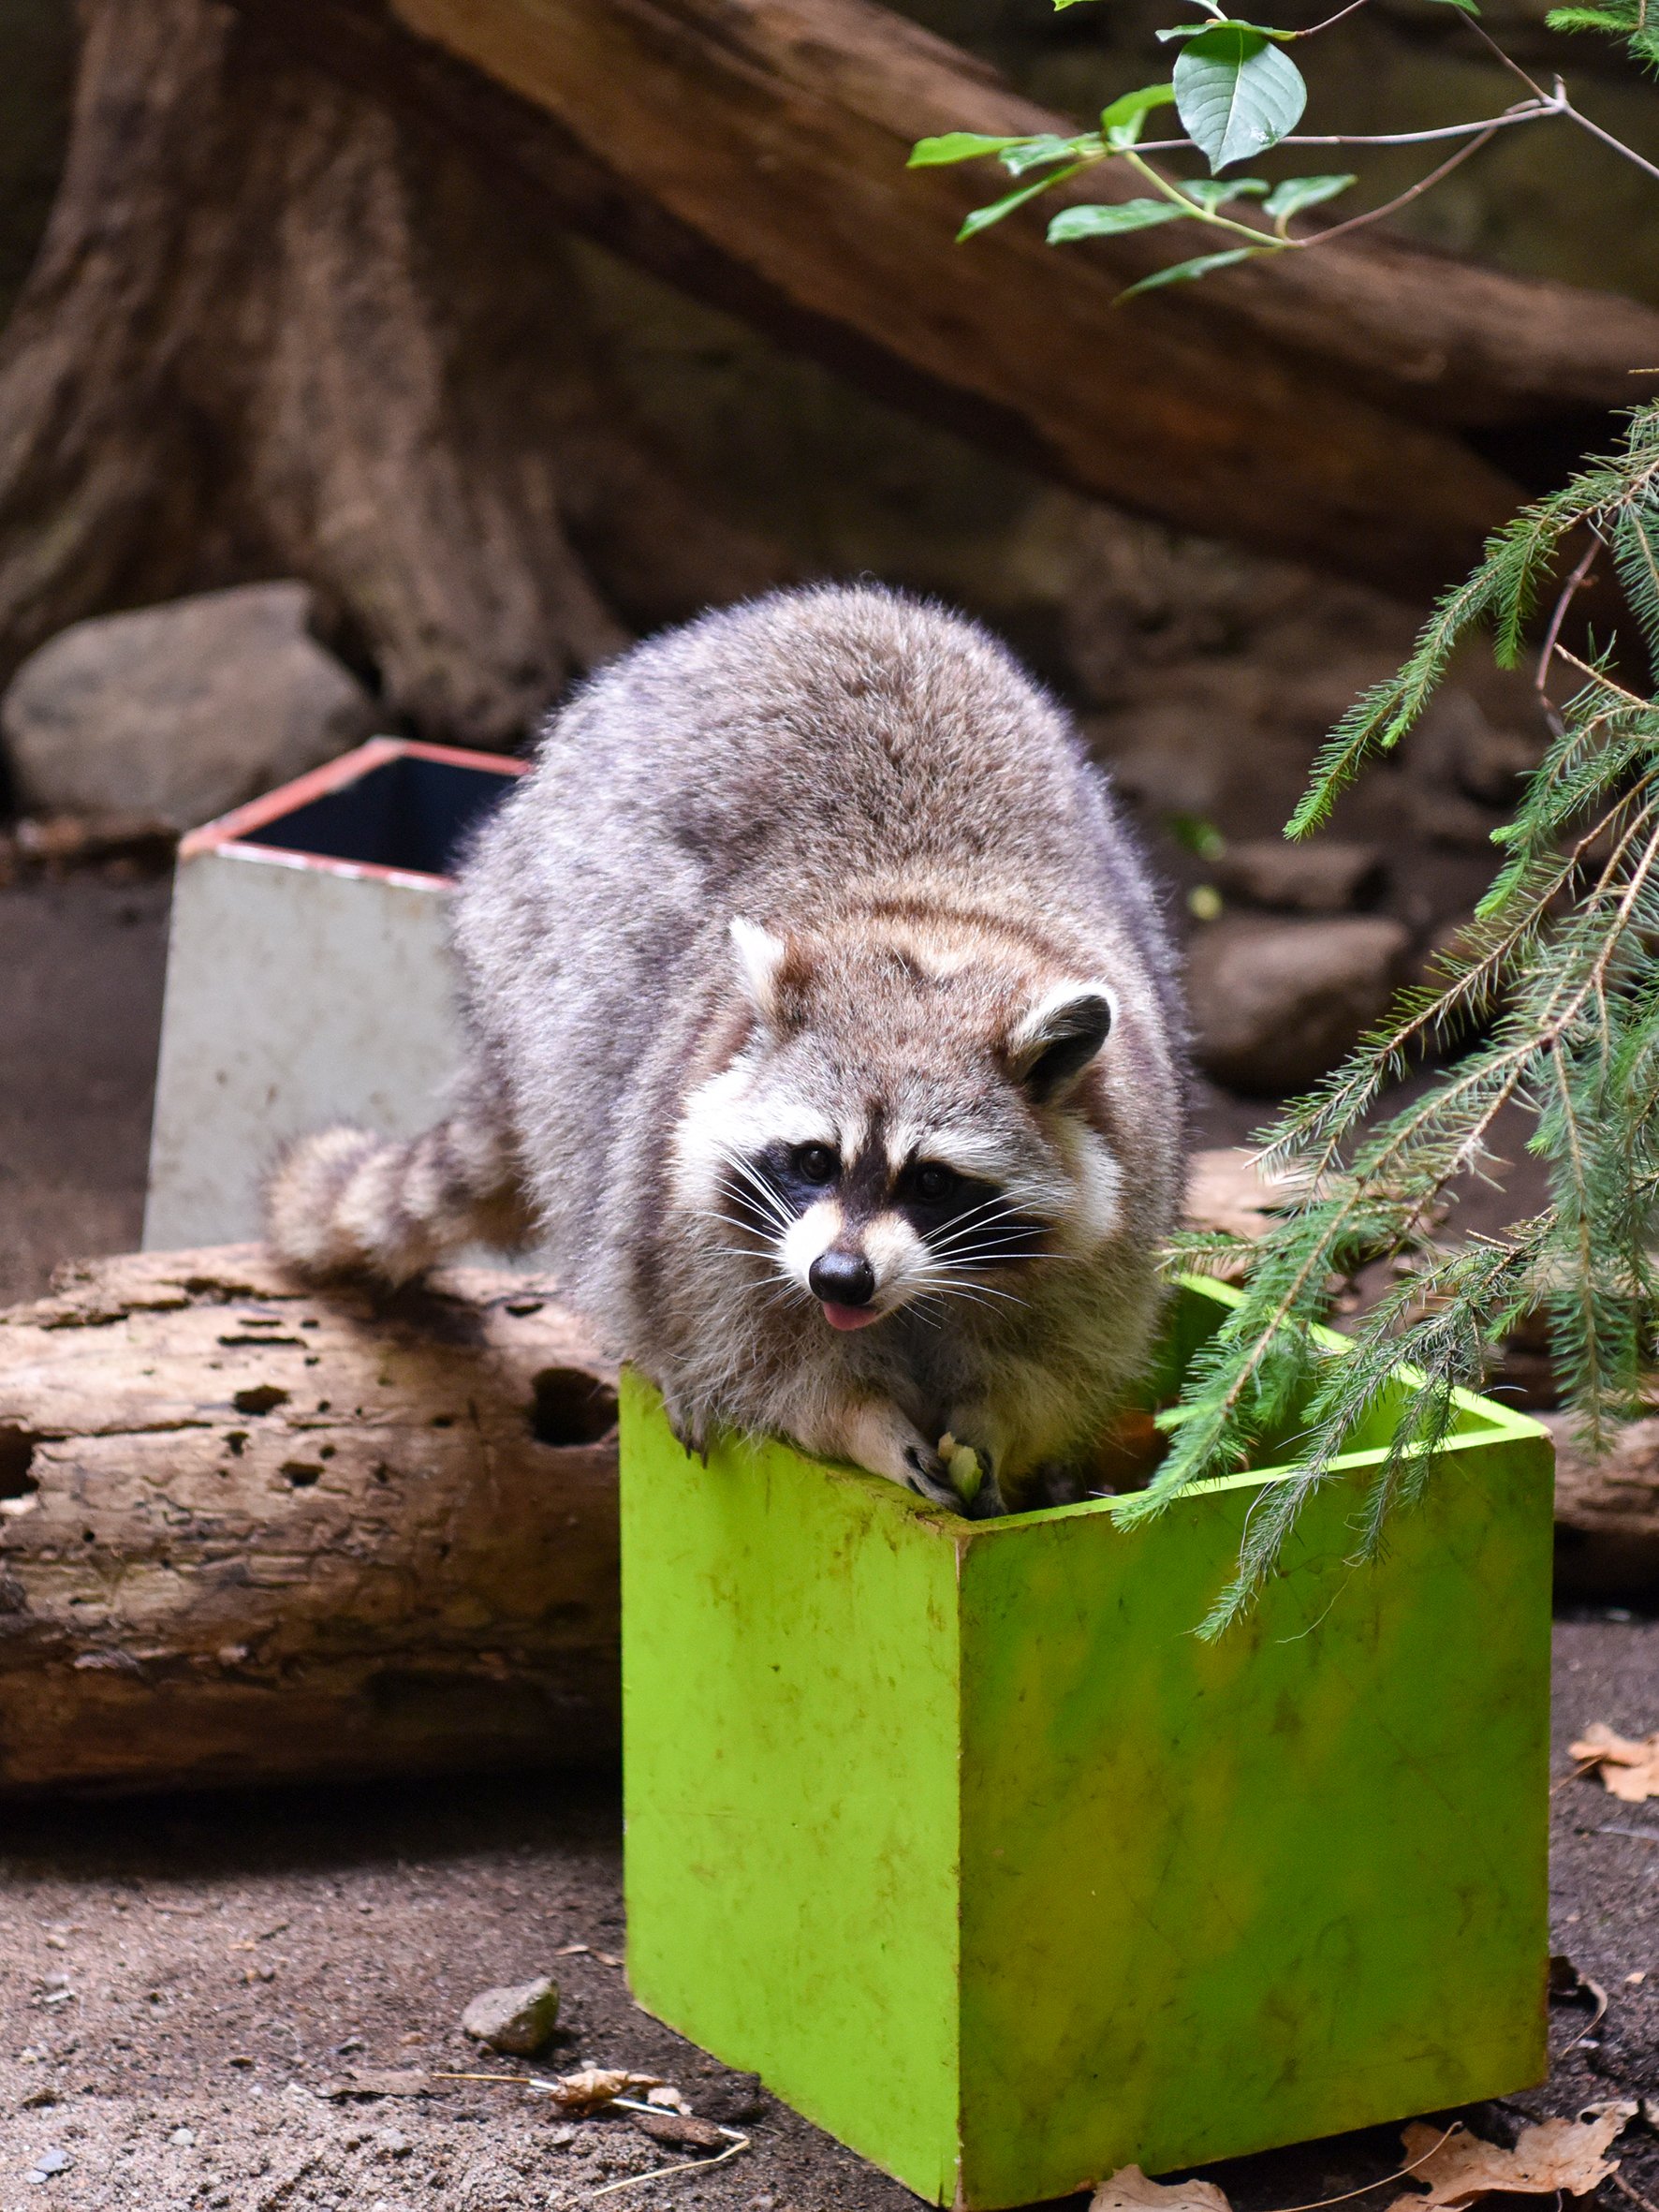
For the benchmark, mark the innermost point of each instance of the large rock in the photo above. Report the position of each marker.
(1275, 1004)
(179, 711)
(1324, 878)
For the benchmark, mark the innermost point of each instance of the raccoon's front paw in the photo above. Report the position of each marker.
(958, 1476)
(973, 1477)
(926, 1474)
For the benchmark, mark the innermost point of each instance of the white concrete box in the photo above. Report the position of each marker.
(308, 974)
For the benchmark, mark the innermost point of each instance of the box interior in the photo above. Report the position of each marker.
(1131, 1454)
(411, 814)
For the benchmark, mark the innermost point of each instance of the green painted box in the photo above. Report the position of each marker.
(957, 1834)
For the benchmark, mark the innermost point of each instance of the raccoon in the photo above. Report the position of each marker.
(823, 1030)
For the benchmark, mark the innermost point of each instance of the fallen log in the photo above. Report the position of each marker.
(251, 1535)
(248, 1534)
(754, 149)
(1606, 1514)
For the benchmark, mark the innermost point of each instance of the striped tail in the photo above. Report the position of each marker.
(347, 1202)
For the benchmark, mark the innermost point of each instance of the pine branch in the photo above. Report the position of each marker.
(1553, 992)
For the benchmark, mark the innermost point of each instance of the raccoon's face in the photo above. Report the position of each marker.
(898, 1129)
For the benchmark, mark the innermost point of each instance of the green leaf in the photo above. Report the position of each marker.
(1039, 153)
(1468, 6)
(1214, 192)
(1073, 223)
(1184, 271)
(1297, 193)
(1122, 121)
(956, 145)
(1230, 22)
(1237, 94)
(983, 217)
(1589, 19)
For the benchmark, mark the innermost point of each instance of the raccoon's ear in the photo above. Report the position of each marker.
(760, 955)
(1055, 1039)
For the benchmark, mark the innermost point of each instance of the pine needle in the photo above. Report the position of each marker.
(1551, 998)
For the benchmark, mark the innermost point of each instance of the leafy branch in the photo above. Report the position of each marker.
(1547, 1002)
(1238, 93)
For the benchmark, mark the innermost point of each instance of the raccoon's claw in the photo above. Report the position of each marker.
(987, 1503)
(691, 1436)
(928, 1476)
(936, 1476)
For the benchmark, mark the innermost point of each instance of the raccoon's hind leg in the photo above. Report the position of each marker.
(347, 1202)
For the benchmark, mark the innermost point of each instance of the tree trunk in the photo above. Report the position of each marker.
(753, 151)
(249, 1535)
(275, 331)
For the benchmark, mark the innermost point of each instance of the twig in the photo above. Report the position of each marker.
(532, 2081)
(522, 2081)
(1314, 29)
(1634, 2195)
(1524, 112)
(1412, 192)
(1578, 115)
(663, 2173)
(1508, 61)
(1598, 676)
(1387, 2180)
(1565, 105)
(1552, 637)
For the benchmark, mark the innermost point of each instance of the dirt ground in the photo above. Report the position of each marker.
(179, 1978)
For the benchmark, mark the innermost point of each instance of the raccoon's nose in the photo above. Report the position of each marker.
(841, 1278)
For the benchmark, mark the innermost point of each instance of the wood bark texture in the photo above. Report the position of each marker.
(1607, 1512)
(753, 151)
(248, 1534)
(275, 330)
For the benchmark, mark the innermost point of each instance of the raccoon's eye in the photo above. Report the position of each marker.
(934, 1182)
(815, 1163)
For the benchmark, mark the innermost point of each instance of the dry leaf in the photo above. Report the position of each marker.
(1129, 2190)
(1568, 1987)
(599, 2085)
(1566, 2155)
(1630, 1771)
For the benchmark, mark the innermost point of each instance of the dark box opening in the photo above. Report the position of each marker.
(408, 813)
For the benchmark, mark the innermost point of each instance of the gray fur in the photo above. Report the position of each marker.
(923, 857)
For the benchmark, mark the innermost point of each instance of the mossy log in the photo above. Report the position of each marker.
(250, 1534)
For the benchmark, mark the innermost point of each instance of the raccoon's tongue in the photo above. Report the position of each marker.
(849, 1316)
